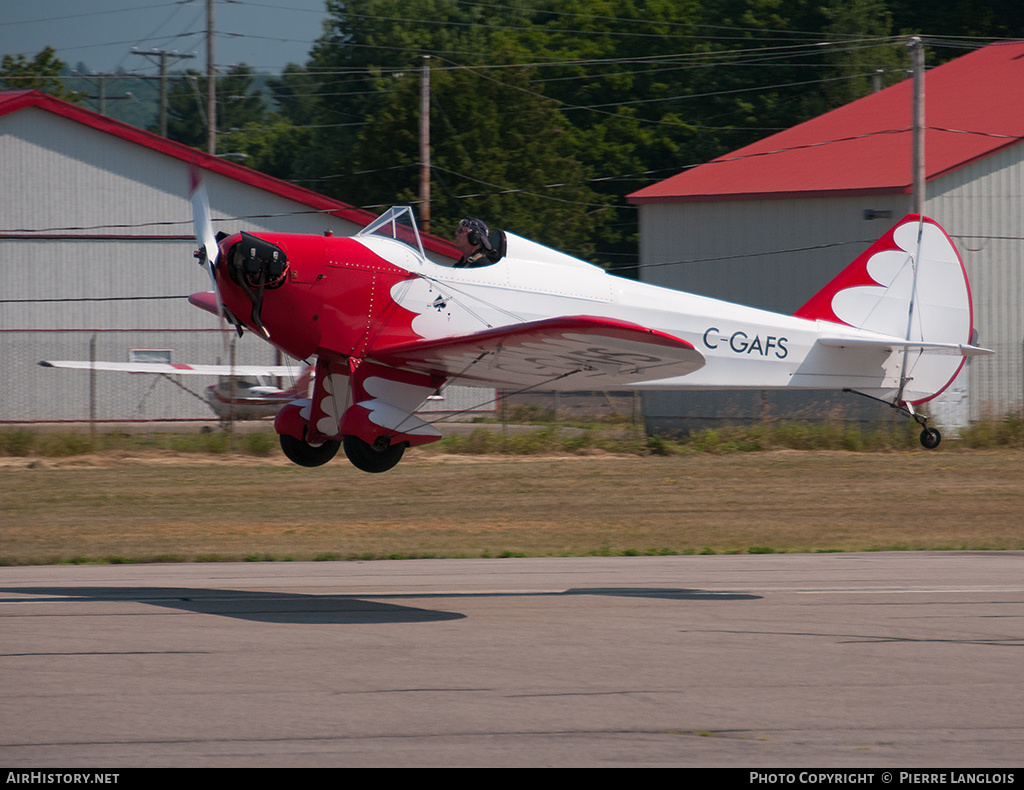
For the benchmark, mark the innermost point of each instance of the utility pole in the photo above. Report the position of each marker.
(162, 55)
(211, 91)
(425, 144)
(101, 90)
(917, 61)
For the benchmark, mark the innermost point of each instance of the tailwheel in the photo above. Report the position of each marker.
(370, 457)
(930, 438)
(304, 454)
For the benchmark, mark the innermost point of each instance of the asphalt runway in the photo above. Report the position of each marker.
(751, 661)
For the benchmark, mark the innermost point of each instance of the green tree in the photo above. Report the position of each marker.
(859, 54)
(186, 109)
(41, 73)
(623, 77)
(241, 111)
(499, 148)
(959, 18)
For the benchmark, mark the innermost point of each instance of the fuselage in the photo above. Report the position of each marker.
(343, 297)
(743, 346)
(246, 400)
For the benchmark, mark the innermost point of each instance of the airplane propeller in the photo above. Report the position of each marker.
(255, 265)
(202, 224)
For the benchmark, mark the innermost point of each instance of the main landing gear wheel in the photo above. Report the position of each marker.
(930, 438)
(303, 454)
(368, 458)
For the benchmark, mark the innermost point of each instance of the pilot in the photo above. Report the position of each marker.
(472, 240)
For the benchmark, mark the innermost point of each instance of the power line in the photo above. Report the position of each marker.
(63, 17)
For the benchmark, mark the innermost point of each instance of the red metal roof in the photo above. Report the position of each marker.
(12, 101)
(972, 110)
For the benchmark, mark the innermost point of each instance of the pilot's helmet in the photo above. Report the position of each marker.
(477, 232)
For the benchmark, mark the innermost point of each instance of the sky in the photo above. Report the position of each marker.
(264, 34)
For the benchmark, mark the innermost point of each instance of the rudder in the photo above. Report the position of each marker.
(911, 285)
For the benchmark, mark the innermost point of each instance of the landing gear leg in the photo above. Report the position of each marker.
(930, 437)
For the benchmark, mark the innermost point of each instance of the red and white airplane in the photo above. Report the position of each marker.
(388, 327)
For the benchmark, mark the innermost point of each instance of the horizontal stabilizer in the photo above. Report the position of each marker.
(894, 344)
(205, 300)
(569, 353)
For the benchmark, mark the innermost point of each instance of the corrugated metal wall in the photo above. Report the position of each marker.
(60, 174)
(984, 204)
(772, 254)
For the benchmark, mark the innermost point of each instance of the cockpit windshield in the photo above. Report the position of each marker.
(397, 223)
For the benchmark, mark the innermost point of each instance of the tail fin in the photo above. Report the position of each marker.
(911, 286)
(300, 389)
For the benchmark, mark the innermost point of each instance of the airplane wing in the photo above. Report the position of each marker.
(173, 369)
(568, 353)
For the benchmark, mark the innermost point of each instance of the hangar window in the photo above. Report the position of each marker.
(150, 355)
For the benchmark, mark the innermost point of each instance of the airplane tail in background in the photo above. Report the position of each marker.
(911, 288)
(300, 389)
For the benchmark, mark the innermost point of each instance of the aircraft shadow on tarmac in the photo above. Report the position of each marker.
(296, 608)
